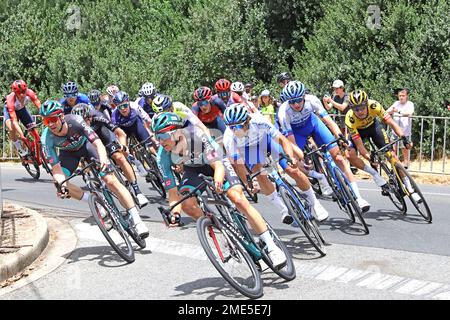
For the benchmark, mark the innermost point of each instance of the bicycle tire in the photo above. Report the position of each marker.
(128, 253)
(297, 214)
(396, 189)
(136, 238)
(426, 214)
(288, 271)
(352, 204)
(339, 194)
(36, 173)
(203, 226)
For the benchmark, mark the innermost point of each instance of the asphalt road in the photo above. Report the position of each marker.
(403, 257)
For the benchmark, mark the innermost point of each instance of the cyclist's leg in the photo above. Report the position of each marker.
(69, 162)
(15, 132)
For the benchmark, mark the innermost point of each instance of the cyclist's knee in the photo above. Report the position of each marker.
(192, 209)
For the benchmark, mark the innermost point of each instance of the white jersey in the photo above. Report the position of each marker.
(260, 130)
(290, 119)
(142, 114)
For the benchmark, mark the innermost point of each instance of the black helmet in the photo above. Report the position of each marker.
(283, 76)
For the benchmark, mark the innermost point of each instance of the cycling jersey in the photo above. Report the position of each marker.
(105, 131)
(127, 121)
(13, 105)
(199, 152)
(185, 113)
(354, 124)
(81, 98)
(291, 120)
(146, 106)
(105, 108)
(217, 109)
(78, 134)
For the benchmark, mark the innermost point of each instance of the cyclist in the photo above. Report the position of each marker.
(75, 139)
(100, 104)
(72, 97)
(148, 94)
(238, 97)
(115, 140)
(248, 139)
(283, 79)
(111, 90)
(223, 92)
(362, 120)
(300, 117)
(209, 109)
(15, 109)
(163, 103)
(189, 146)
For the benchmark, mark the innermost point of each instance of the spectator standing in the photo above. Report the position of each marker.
(402, 110)
(267, 105)
(339, 101)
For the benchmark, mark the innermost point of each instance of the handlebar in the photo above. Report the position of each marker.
(323, 147)
(76, 173)
(382, 150)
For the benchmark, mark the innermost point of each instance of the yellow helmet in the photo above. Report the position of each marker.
(357, 98)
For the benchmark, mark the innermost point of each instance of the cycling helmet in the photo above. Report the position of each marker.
(120, 97)
(161, 103)
(237, 87)
(140, 93)
(82, 109)
(19, 86)
(293, 90)
(283, 76)
(165, 122)
(51, 108)
(202, 93)
(112, 90)
(222, 85)
(70, 88)
(94, 96)
(235, 113)
(357, 97)
(148, 89)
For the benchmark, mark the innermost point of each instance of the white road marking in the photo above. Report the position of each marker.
(425, 193)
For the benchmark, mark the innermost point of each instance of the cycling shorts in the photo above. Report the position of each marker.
(317, 129)
(137, 130)
(376, 132)
(23, 115)
(69, 159)
(191, 179)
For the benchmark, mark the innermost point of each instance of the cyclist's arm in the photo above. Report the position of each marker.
(165, 167)
(121, 136)
(361, 148)
(286, 144)
(34, 98)
(329, 122)
(394, 125)
(219, 171)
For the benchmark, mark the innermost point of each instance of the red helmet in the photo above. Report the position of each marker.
(222, 85)
(19, 86)
(202, 93)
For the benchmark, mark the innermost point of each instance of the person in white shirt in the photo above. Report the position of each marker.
(402, 110)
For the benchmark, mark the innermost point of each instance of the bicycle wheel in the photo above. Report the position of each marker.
(396, 194)
(351, 199)
(339, 195)
(422, 205)
(115, 235)
(229, 258)
(31, 165)
(309, 230)
(288, 271)
(135, 236)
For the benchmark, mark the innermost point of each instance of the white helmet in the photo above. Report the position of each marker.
(112, 90)
(237, 87)
(148, 89)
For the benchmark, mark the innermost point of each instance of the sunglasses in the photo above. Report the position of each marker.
(70, 96)
(49, 120)
(223, 94)
(237, 126)
(359, 108)
(294, 101)
(164, 136)
(202, 103)
(123, 106)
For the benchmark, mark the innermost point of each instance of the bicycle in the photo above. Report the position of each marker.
(337, 180)
(114, 225)
(148, 160)
(297, 205)
(252, 196)
(35, 156)
(228, 242)
(396, 189)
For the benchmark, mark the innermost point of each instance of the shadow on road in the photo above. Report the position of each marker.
(383, 214)
(345, 226)
(31, 180)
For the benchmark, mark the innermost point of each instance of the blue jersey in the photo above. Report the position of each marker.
(136, 113)
(81, 98)
(146, 106)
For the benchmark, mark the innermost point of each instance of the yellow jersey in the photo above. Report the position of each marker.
(375, 110)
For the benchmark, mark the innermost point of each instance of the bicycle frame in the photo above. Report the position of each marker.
(238, 232)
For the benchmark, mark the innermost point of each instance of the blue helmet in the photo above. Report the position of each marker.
(235, 113)
(70, 88)
(120, 97)
(94, 96)
(294, 89)
(161, 103)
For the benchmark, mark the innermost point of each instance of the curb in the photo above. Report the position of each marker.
(25, 256)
